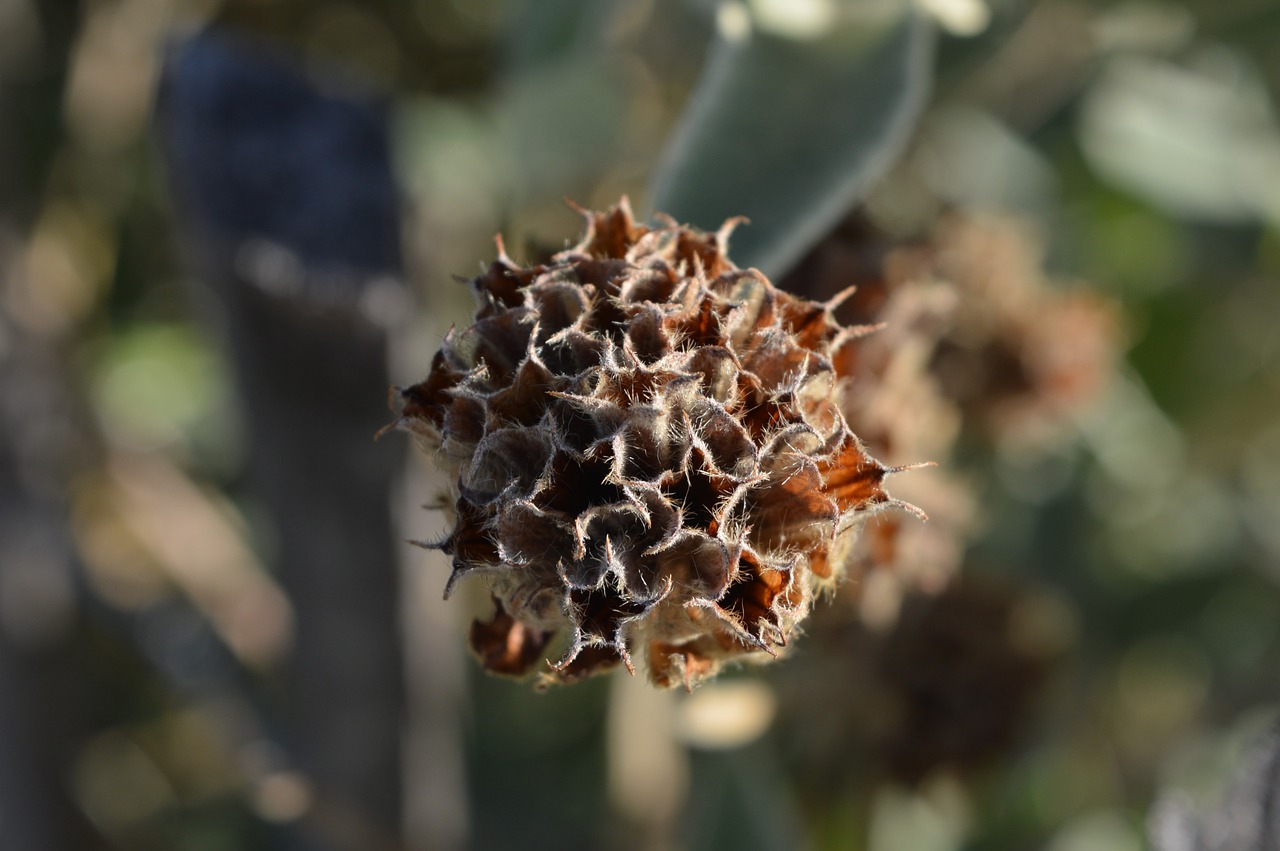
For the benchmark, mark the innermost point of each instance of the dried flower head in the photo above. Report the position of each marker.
(651, 454)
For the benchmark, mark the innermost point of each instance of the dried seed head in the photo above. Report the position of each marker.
(651, 454)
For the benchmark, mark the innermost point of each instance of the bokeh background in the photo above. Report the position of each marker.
(227, 227)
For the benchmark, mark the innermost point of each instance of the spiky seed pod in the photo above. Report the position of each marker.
(650, 451)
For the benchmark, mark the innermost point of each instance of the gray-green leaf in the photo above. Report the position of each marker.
(790, 129)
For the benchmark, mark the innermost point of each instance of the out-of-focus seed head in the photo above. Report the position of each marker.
(953, 685)
(1017, 354)
(977, 341)
(651, 452)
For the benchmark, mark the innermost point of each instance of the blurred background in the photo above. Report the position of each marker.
(226, 228)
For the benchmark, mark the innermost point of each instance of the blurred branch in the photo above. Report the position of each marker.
(43, 689)
(42, 684)
(1248, 818)
(204, 554)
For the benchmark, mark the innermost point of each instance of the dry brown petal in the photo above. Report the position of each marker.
(506, 646)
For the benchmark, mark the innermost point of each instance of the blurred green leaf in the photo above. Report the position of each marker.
(789, 126)
(563, 122)
(1200, 141)
(159, 384)
(543, 32)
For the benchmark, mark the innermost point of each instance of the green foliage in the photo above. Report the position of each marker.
(790, 129)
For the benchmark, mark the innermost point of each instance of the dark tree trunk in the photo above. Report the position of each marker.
(291, 219)
(42, 692)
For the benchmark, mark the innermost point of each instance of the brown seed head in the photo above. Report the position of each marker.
(651, 454)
